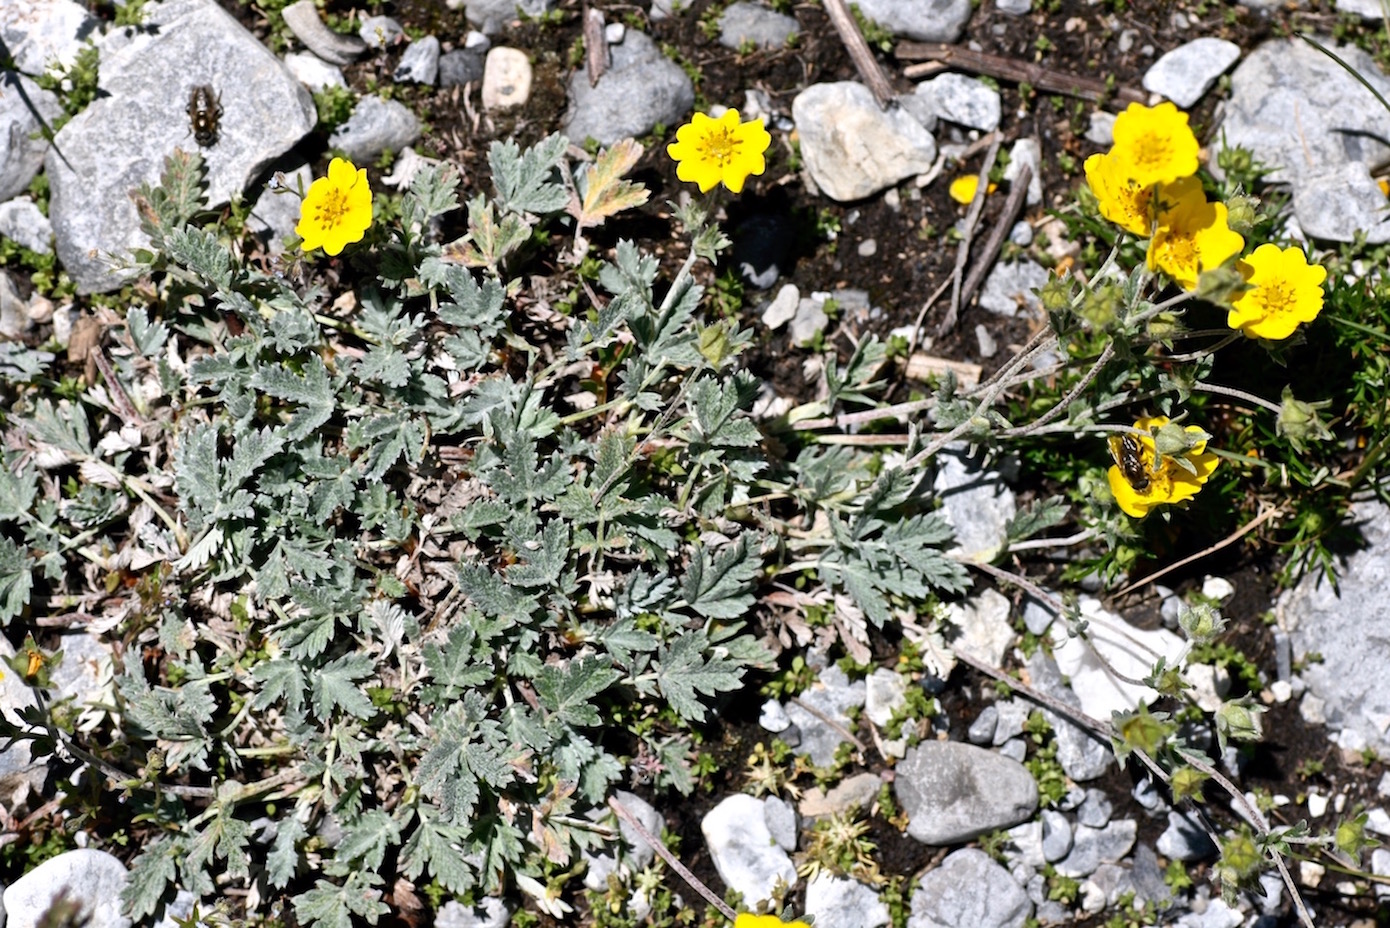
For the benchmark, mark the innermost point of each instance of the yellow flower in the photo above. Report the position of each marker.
(1169, 482)
(1155, 144)
(748, 920)
(963, 188)
(1120, 198)
(337, 210)
(1284, 291)
(1192, 234)
(712, 151)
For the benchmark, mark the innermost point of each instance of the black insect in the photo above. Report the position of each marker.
(1129, 455)
(204, 111)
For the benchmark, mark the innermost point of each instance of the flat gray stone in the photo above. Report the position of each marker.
(1056, 835)
(43, 33)
(984, 626)
(1350, 627)
(1340, 203)
(1187, 72)
(420, 62)
(380, 31)
(953, 792)
(744, 852)
(92, 878)
(1025, 152)
(1366, 9)
(22, 145)
(1014, 7)
(375, 126)
(809, 320)
(26, 224)
(853, 149)
(313, 72)
(1092, 847)
(981, 730)
(636, 853)
(1185, 839)
(977, 502)
(303, 19)
(783, 307)
(969, 890)
(1300, 112)
(122, 138)
(461, 66)
(965, 101)
(781, 822)
(1083, 754)
(923, 20)
(753, 24)
(832, 696)
(492, 16)
(642, 87)
(276, 210)
(490, 913)
(1009, 289)
(1095, 810)
(856, 792)
(835, 902)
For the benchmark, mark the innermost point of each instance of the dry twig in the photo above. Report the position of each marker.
(1009, 69)
(864, 61)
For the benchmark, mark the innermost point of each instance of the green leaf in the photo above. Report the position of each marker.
(684, 672)
(283, 859)
(1038, 516)
(148, 337)
(568, 690)
(488, 241)
(335, 686)
(313, 393)
(280, 680)
(334, 906)
(438, 846)
(719, 589)
(367, 839)
(16, 579)
(524, 179)
(150, 882)
(455, 667)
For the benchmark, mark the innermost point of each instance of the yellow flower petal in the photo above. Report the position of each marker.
(712, 151)
(1155, 143)
(1121, 199)
(963, 188)
(1169, 482)
(749, 920)
(1284, 291)
(1192, 234)
(337, 209)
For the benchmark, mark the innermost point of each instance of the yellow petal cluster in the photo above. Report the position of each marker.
(1155, 145)
(337, 210)
(1192, 234)
(1284, 291)
(719, 151)
(1169, 481)
(749, 920)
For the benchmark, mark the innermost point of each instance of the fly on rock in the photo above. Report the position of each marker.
(204, 111)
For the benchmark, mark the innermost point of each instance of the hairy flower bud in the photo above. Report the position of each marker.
(1056, 294)
(1238, 720)
(1241, 213)
(1201, 623)
(1299, 422)
(1100, 305)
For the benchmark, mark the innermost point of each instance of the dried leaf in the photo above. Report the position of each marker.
(602, 189)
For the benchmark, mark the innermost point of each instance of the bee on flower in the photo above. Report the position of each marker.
(710, 151)
(337, 210)
(1142, 479)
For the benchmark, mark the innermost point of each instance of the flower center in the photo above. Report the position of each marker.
(332, 209)
(1153, 150)
(1278, 298)
(1183, 250)
(721, 146)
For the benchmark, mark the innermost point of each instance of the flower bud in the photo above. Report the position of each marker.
(1238, 720)
(1056, 294)
(1098, 307)
(1165, 326)
(1201, 623)
(1174, 441)
(1241, 213)
(1299, 422)
(1221, 285)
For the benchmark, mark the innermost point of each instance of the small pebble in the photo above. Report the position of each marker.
(867, 248)
(1309, 873)
(1317, 805)
(506, 78)
(1383, 789)
(1281, 690)
(988, 346)
(1015, 749)
(774, 718)
(1021, 234)
(1218, 589)
(614, 33)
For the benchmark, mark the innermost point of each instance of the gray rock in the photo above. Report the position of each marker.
(313, 72)
(754, 24)
(1014, 7)
(85, 674)
(981, 730)
(1026, 152)
(969, 889)
(490, 913)
(783, 307)
(856, 792)
(832, 696)
(1015, 749)
(1130, 651)
(492, 16)
(380, 31)
(1185, 838)
(741, 845)
(1037, 616)
(1350, 627)
(276, 210)
(923, 20)
(507, 74)
(781, 822)
(1340, 203)
(375, 126)
(303, 19)
(1056, 835)
(1147, 877)
(977, 502)
(985, 342)
(26, 224)
(15, 319)
(613, 33)
(853, 149)
(122, 138)
(1217, 914)
(461, 66)
(642, 87)
(1082, 754)
(1300, 112)
(1092, 847)
(634, 851)
(983, 620)
(1025, 847)
(92, 878)
(1009, 287)
(835, 902)
(965, 101)
(420, 63)
(1150, 797)
(175, 912)
(774, 718)
(40, 33)
(1184, 74)
(885, 693)
(1102, 128)
(953, 792)
(1366, 9)
(810, 319)
(1095, 810)
(22, 144)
